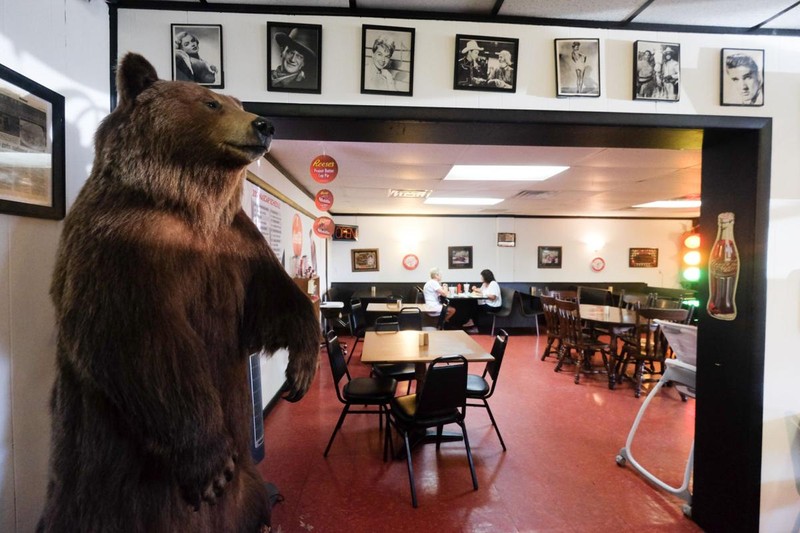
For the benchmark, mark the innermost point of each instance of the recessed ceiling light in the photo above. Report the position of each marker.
(463, 201)
(673, 204)
(503, 172)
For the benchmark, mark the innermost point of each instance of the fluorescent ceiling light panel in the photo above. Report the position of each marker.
(502, 172)
(463, 201)
(672, 204)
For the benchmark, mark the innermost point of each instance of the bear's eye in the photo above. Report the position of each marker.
(213, 104)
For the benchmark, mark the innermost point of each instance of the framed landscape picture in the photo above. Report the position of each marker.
(485, 63)
(387, 60)
(459, 257)
(197, 54)
(577, 67)
(742, 77)
(549, 257)
(656, 71)
(365, 260)
(643, 258)
(294, 57)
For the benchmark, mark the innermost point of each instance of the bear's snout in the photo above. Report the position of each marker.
(265, 130)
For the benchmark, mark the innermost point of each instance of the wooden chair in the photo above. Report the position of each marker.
(479, 388)
(645, 346)
(575, 340)
(565, 295)
(551, 321)
(441, 400)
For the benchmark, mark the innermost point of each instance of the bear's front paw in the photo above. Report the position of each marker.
(300, 373)
(205, 478)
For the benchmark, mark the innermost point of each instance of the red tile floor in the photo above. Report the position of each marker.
(558, 475)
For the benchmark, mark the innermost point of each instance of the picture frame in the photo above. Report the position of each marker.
(294, 58)
(32, 171)
(459, 257)
(365, 260)
(549, 257)
(656, 71)
(387, 60)
(485, 63)
(577, 67)
(741, 77)
(643, 258)
(197, 54)
(507, 239)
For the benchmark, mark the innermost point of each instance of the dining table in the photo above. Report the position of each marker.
(393, 308)
(613, 320)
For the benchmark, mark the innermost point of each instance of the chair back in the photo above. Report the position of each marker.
(569, 323)
(357, 317)
(443, 314)
(498, 351)
(410, 318)
(337, 362)
(506, 302)
(564, 295)
(387, 323)
(593, 295)
(550, 314)
(666, 303)
(651, 341)
(634, 301)
(420, 296)
(444, 391)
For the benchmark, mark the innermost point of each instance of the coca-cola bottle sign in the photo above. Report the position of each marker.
(323, 169)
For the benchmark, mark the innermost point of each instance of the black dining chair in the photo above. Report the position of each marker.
(399, 371)
(479, 387)
(441, 400)
(506, 305)
(530, 307)
(440, 320)
(372, 391)
(410, 318)
(358, 324)
(593, 295)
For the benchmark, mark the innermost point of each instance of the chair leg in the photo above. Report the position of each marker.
(336, 429)
(639, 378)
(410, 470)
(494, 318)
(439, 430)
(496, 429)
(353, 349)
(469, 455)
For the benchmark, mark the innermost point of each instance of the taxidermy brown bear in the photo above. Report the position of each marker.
(162, 288)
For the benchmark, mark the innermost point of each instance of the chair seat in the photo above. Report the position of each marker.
(380, 389)
(477, 387)
(398, 371)
(405, 407)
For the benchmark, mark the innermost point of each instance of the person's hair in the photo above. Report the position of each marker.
(434, 272)
(487, 275)
(505, 54)
(181, 35)
(576, 44)
(741, 60)
(385, 41)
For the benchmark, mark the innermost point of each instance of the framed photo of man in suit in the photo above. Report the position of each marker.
(742, 77)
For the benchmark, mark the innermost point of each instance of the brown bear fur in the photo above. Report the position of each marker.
(162, 288)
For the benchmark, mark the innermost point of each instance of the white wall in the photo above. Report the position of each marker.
(429, 237)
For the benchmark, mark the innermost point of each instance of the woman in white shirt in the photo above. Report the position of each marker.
(432, 291)
(489, 293)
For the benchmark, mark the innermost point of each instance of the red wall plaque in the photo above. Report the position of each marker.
(323, 169)
(324, 200)
(323, 227)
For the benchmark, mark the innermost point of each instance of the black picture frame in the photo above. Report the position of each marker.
(459, 257)
(549, 257)
(396, 75)
(568, 83)
(203, 64)
(656, 71)
(365, 260)
(741, 77)
(643, 258)
(491, 68)
(32, 149)
(304, 40)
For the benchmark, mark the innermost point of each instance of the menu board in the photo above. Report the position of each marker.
(265, 210)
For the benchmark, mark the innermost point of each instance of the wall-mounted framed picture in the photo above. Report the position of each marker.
(31, 148)
(742, 77)
(577, 67)
(459, 257)
(549, 257)
(506, 239)
(656, 71)
(387, 60)
(485, 63)
(294, 57)
(197, 54)
(365, 260)
(643, 258)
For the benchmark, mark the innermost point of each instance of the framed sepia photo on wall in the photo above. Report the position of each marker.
(365, 260)
(577, 67)
(485, 63)
(507, 239)
(294, 57)
(742, 77)
(31, 148)
(197, 54)
(656, 71)
(643, 258)
(459, 257)
(549, 257)
(387, 60)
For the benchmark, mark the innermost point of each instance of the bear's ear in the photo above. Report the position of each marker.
(135, 74)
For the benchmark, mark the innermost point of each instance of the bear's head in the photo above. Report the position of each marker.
(176, 141)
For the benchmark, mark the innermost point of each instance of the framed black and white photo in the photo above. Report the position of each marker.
(459, 257)
(549, 257)
(656, 71)
(387, 60)
(577, 67)
(197, 54)
(294, 57)
(485, 63)
(31, 148)
(742, 77)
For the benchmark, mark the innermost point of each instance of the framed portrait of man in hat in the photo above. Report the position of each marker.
(387, 60)
(485, 63)
(577, 67)
(197, 54)
(656, 71)
(294, 57)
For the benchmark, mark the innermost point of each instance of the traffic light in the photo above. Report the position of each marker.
(690, 257)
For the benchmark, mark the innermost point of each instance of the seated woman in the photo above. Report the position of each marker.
(490, 291)
(432, 291)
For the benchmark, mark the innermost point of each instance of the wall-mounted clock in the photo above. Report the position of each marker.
(598, 264)
(410, 262)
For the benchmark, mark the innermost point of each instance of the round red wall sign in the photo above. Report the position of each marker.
(323, 169)
(323, 227)
(410, 262)
(324, 200)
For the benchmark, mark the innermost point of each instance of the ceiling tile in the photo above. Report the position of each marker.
(604, 10)
(726, 13)
(445, 6)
